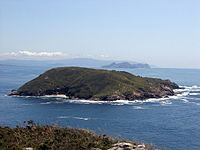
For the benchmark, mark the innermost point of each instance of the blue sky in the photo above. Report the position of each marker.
(165, 33)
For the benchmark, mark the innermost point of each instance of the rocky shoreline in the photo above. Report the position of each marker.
(134, 97)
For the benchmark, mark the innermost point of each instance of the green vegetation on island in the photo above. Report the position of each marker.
(96, 84)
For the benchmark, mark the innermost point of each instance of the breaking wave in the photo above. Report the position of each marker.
(188, 88)
(27, 104)
(79, 118)
(164, 103)
(53, 102)
(138, 107)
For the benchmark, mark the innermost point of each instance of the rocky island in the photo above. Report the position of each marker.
(95, 84)
(126, 65)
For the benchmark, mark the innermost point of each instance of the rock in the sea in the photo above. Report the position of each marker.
(95, 84)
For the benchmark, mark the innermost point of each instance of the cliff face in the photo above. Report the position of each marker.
(85, 83)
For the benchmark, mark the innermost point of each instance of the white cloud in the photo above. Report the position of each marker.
(28, 53)
(11, 53)
(104, 56)
(33, 55)
(24, 54)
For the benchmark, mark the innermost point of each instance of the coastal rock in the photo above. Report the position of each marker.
(95, 84)
(127, 146)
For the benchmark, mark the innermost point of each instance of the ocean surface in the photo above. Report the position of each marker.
(170, 123)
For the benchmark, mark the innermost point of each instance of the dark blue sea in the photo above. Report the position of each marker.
(170, 123)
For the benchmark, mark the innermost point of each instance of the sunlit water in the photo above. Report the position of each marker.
(171, 123)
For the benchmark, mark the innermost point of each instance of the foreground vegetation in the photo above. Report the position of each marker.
(51, 138)
(96, 84)
(56, 138)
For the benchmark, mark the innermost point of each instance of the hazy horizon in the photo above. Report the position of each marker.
(160, 33)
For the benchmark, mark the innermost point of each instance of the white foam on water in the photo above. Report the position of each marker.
(79, 118)
(188, 88)
(184, 100)
(46, 103)
(64, 117)
(191, 102)
(56, 96)
(164, 103)
(116, 104)
(124, 102)
(82, 101)
(188, 91)
(53, 102)
(27, 104)
(156, 99)
(194, 93)
(183, 94)
(58, 102)
(179, 94)
(138, 107)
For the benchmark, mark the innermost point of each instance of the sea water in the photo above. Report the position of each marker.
(170, 123)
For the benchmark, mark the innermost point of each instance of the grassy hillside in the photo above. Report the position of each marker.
(51, 138)
(86, 83)
(38, 137)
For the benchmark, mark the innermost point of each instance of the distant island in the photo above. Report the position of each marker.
(79, 62)
(95, 84)
(126, 65)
